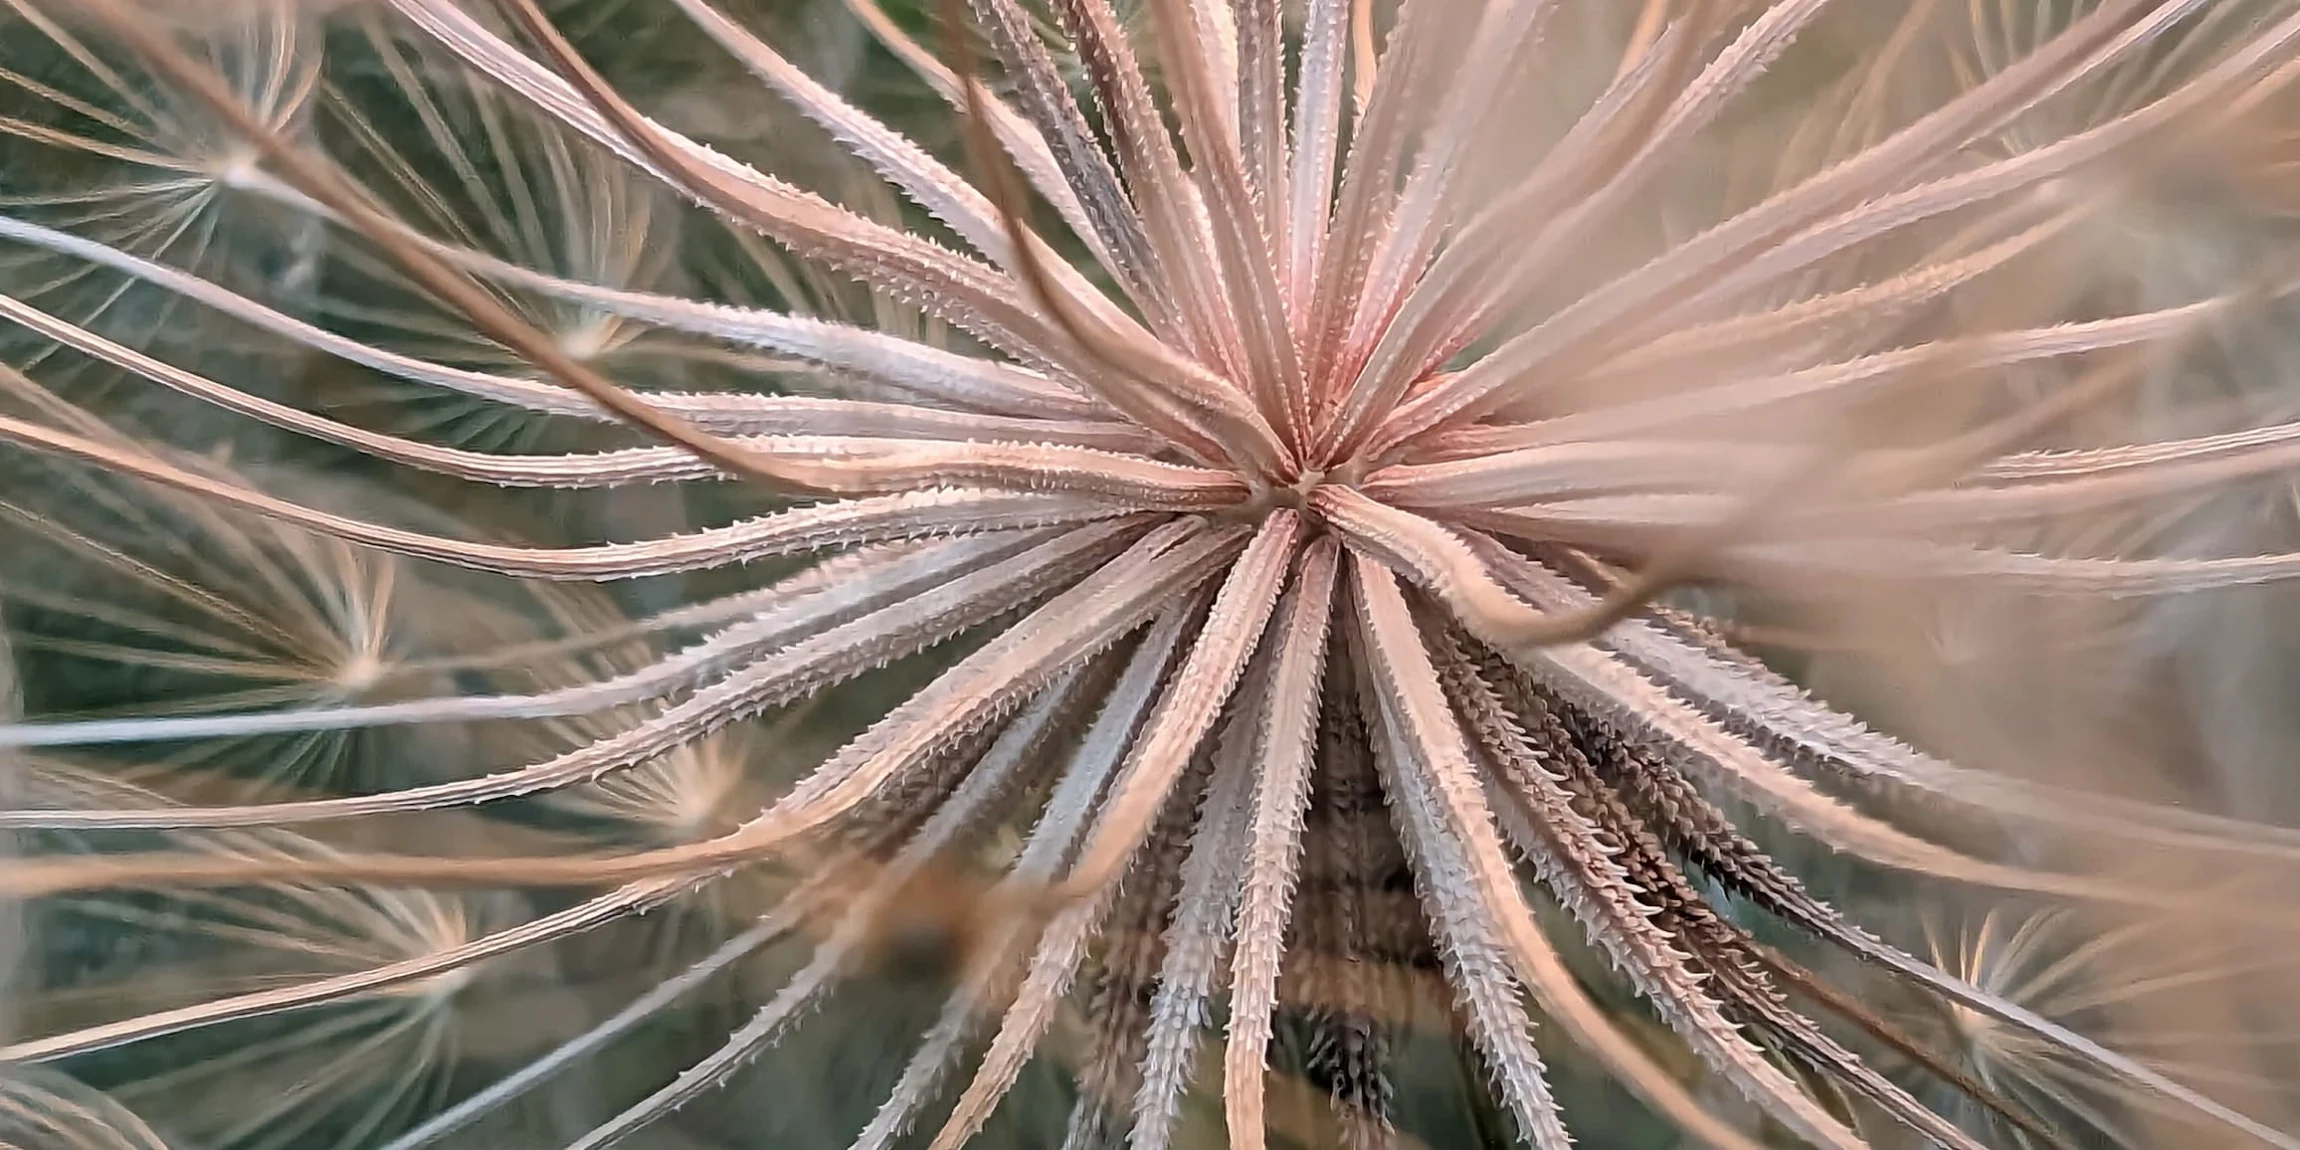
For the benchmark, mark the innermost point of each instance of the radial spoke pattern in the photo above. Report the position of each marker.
(1224, 493)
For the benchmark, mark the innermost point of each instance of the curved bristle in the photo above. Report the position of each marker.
(574, 574)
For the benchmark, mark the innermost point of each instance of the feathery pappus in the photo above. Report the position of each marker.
(1216, 546)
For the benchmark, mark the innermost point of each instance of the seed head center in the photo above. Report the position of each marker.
(1267, 496)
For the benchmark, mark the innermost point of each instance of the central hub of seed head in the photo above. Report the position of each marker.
(1296, 495)
(1265, 496)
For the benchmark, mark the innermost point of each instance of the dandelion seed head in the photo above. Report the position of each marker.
(1181, 564)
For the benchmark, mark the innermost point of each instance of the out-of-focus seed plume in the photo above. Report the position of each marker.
(42, 1108)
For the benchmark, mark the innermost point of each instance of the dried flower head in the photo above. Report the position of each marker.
(1347, 395)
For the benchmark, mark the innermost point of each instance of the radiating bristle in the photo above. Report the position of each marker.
(1148, 572)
